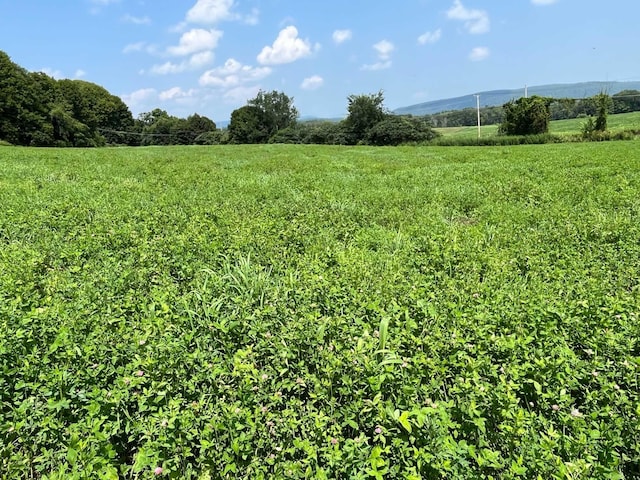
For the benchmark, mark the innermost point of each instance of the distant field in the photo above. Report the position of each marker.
(617, 122)
(320, 312)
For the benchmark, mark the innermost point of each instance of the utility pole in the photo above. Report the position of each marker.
(478, 108)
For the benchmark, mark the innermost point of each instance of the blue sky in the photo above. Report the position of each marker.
(210, 56)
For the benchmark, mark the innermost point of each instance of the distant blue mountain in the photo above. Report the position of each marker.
(500, 97)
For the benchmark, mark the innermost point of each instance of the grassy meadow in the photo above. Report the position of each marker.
(320, 312)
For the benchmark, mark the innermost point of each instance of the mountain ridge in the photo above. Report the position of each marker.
(493, 98)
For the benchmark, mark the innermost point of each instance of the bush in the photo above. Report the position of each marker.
(215, 137)
(330, 133)
(526, 116)
(499, 140)
(295, 133)
(396, 130)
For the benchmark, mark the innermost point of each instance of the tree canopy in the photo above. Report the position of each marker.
(38, 110)
(365, 111)
(262, 117)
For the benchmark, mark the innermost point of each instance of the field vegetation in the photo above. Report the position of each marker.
(570, 129)
(320, 312)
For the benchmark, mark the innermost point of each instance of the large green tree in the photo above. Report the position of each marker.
(364, 112)
(19, 117)
(248, 125)
(278, 110)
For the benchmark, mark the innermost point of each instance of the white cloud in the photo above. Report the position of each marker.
(312, 83)
(430, 37)
(287, 48)
(176, 93)
(341, 36)
(475, 21)
(479, 53)
(195, 62)
(377, 66)
(80, 73)
(139, 97)
(544, 2)
(196, 40)
(136, 20)
(210, 11)
(384, 49)
(252, 18)
(233, 74)
(134, 47)
(99, 4)
(140, 47)
(201, 59)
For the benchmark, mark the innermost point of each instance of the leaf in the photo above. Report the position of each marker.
(383, 330)
(404, 421)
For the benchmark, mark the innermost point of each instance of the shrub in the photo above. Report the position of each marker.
(396, 130)
(215, 137)
(526, 116)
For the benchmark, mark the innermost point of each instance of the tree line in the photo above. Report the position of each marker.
(559, 109)
(37, 110)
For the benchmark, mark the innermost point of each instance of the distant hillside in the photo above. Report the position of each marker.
(500, 97)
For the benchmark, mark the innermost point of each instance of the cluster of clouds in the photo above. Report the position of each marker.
(200, 34)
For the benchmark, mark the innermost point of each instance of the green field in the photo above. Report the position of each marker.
(320, 312)
(615, 123)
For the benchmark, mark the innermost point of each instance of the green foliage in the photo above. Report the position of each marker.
(396, 130)
(216, 137)
(157, 127)
(263, 118)
(626, 101)
(496, 140)
(320, 312)
(248, 125)
(604, 104)
(526, 116)
(364, 112)
(278, 110)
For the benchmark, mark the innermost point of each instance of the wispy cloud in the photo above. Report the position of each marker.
(211, 12)
(136, 20)
(176, 93)
(544, 2)
(384, 49)
(479, 53)
(475, 21)
(80, 73)
(312, 83)
(139, 98)
(98, 5)
(53, 73)
(430, 37)
(287, 48)
(341, 36)
(195, 62)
